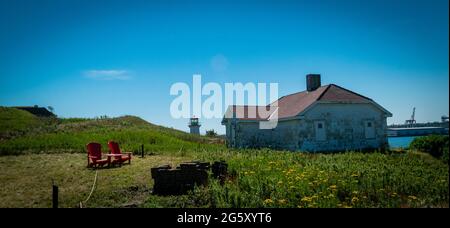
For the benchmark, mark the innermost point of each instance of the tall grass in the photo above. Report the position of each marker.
(286, 179)
(58, 136)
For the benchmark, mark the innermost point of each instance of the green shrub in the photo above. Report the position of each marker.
(436, 145)
(211, 133)
(445, 155)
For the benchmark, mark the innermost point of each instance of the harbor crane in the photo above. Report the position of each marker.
(412, 120)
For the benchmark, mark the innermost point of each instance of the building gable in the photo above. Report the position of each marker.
(293, 105)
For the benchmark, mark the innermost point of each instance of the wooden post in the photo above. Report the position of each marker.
(55, 196)
(142, 150)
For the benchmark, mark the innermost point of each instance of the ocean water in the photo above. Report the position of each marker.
(397, 142)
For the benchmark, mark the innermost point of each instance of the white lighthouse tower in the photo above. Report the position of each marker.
(194, 126)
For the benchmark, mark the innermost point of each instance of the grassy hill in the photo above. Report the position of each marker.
(14, 121)
(54, 149)
(22, 133)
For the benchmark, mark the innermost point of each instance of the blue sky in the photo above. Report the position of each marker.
(91, 58)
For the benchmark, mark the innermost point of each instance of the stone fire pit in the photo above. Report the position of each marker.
(183, 178)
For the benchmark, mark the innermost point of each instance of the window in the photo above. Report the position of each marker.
(369, 124)
(319, 125)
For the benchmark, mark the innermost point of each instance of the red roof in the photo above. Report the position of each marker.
(248, 112)
(293, 104)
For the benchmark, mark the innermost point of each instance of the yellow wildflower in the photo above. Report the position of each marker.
(306, 199)
(268, 201)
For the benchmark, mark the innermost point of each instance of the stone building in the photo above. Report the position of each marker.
(322, 118)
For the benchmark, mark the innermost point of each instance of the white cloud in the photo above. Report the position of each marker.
(219, 63)
(107, 74)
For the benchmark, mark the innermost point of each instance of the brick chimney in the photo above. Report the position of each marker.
(312, 82)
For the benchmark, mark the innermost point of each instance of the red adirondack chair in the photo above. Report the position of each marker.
(95, 155)
(119, 157)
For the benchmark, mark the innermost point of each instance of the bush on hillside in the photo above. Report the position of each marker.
(211, 133)
(436, 145)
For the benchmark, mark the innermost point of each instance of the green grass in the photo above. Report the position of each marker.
(26, 181)
(51, 135)
(14, 121)
(37, 151)
(259, 179)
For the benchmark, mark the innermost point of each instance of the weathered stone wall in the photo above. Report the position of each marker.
(344, 127)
